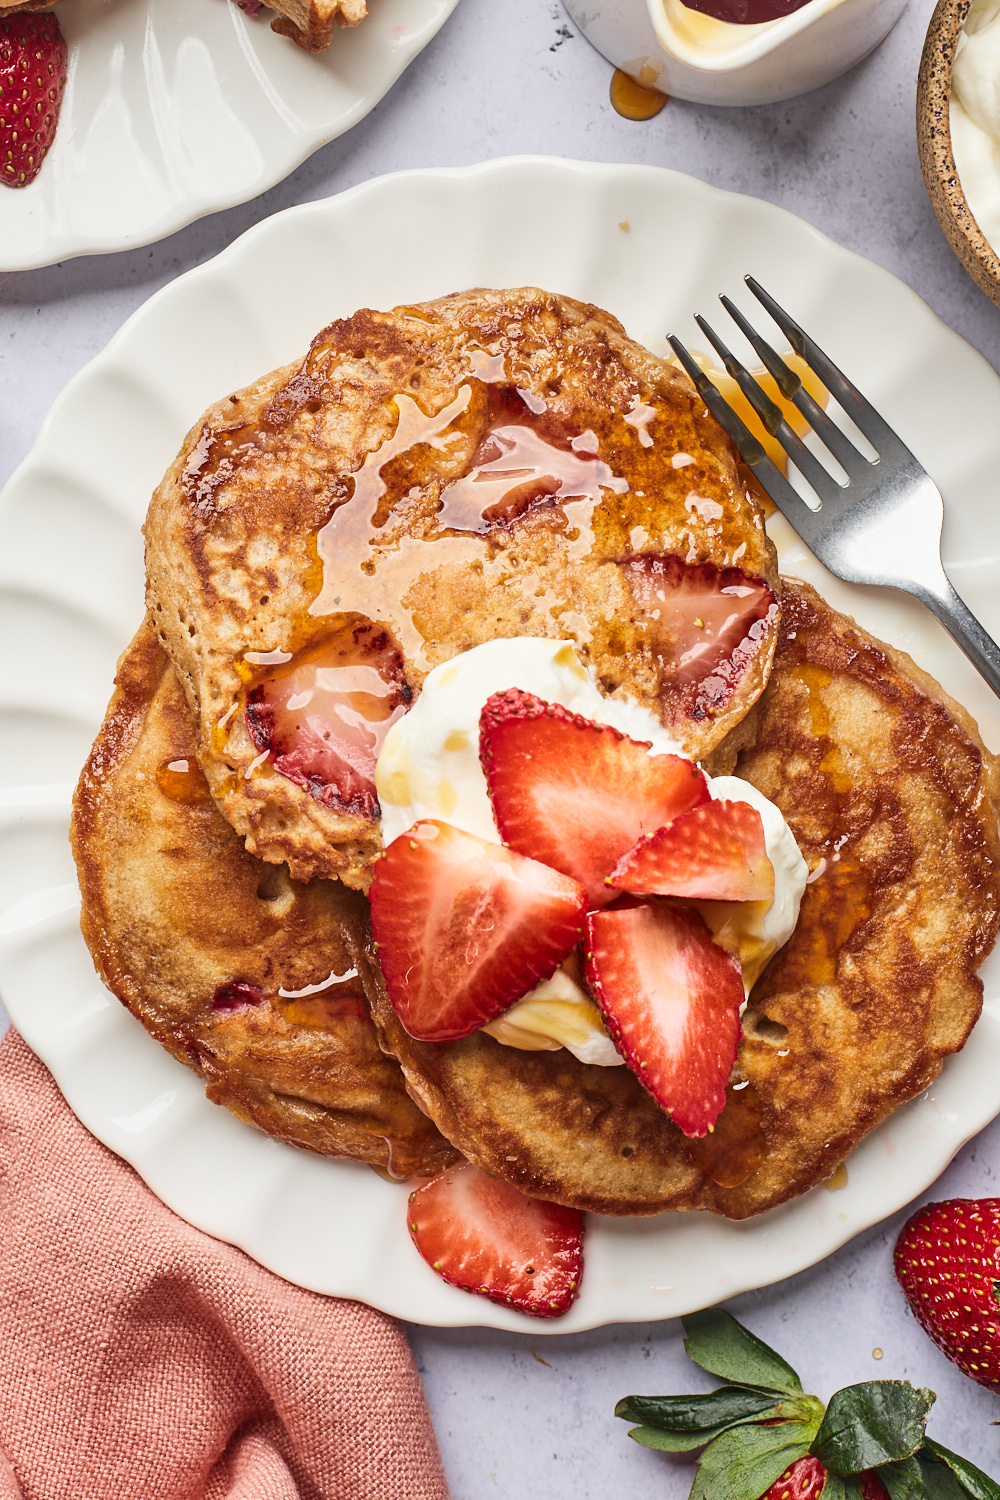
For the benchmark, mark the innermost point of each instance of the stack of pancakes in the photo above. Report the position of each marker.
(223, 900)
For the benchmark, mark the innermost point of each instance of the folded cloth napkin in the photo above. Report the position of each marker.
(142, 1360)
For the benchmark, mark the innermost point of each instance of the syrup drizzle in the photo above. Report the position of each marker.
(526, 458)
(182, 780)
(327, 1004)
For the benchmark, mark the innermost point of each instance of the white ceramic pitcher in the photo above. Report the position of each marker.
(664, 45)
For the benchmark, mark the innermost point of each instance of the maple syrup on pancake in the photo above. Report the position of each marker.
(738, 1145)
(182, 780)
(526, 457)
(634, 100)
(327, 1005)
(515, 456)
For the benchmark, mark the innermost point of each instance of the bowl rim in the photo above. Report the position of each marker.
(937, 157)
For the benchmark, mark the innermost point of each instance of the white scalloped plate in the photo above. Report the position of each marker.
(653, 246)
(178, 108)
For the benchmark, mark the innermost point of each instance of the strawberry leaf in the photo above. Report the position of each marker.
(973, 1481)
(724, 1347)
(918, 1478)
(842, 1487)
(674, 1442)
(877, 1422)
(745, 1461)
(720, 1408)
(839, 1487)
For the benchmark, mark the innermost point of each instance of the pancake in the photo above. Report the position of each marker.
(491, 464)
(199, 940)
(892, 798)
(312, 23)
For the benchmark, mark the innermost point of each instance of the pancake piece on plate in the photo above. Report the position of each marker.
(891, 795)
(488, 465)
(243, 974)
(312, 23)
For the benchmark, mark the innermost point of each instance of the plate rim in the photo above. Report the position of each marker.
(229, 256)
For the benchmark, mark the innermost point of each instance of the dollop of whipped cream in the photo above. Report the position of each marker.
(974, 114)
(429, 767)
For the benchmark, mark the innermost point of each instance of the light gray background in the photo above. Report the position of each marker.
(526, 1416)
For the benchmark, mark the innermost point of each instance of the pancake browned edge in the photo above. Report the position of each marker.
(313, 505)
(892, 798)
(177, 916)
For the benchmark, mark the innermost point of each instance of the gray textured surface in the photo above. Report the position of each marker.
(530, 1416)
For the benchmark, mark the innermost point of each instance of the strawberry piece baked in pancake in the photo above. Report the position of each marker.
(892, 798)
(251, 979)
(489, 465)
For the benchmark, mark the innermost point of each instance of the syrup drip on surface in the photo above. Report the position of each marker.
(634, 100)
(321, 718)
(182, 780)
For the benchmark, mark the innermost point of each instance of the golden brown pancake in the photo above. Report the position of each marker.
(208, 946)
(312, 23)
(892, 798)
(490, 464)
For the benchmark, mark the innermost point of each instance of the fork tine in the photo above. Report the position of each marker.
(785, 496)
(772, 416)
(791, 387)
(862, 413)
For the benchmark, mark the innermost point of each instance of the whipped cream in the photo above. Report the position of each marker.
(429, 767)
(974, 114)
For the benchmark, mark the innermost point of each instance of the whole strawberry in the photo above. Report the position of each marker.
(763, 1438)
(948, 1264)
(32, 82)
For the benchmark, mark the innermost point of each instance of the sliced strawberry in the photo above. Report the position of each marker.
(671, 999)
(321, 718)
(575, 794)
(716, 852)
(486, 1237)
(32, 82)
(705, 625)
(464, 928)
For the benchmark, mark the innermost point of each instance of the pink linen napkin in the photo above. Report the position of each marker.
(142, 1360)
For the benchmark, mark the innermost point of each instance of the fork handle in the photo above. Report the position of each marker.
(963, 627)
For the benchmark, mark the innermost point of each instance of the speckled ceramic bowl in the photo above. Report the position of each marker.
(937, 159)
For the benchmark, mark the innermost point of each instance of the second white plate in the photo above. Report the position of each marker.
(178, 108)
(653, 247)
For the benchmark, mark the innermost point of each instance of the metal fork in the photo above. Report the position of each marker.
(884, 525)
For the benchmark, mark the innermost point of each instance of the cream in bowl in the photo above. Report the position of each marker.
(975, 114)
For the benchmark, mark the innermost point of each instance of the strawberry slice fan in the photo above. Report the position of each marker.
(601, 841)
(761, 1437)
